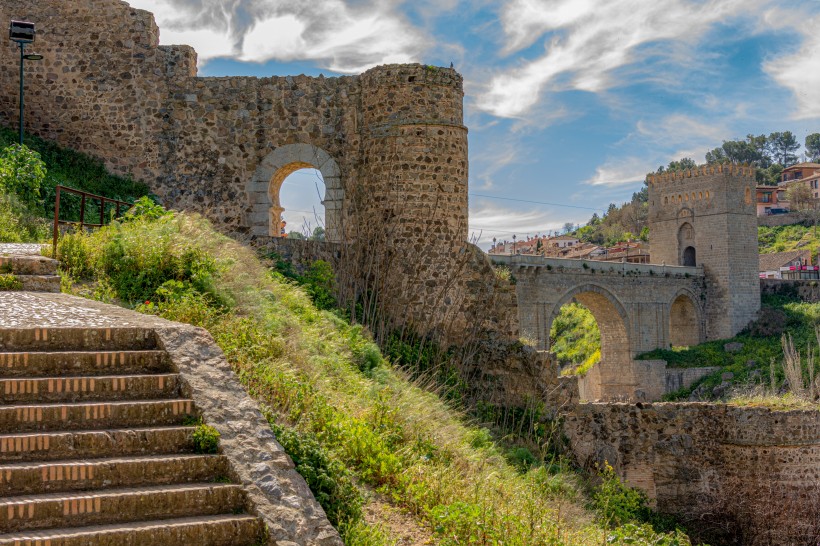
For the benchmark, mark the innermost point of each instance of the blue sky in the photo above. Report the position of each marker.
(569, 102)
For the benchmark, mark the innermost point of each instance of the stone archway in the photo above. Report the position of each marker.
(684, 321)
(613, 375)
(263, 188)
(686, 245)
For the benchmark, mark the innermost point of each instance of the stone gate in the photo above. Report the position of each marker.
(703, 235)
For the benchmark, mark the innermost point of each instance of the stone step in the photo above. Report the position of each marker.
(77, 339)
(221, 530)
(28, 265)
(91, 444)
(79, 475)
(78, 363)
(28, 390)
(84, 416)
(37, 283)
(118, 505)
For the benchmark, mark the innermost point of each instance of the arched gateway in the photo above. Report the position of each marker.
(267, 181)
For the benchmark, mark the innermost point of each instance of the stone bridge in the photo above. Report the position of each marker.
(638, 308)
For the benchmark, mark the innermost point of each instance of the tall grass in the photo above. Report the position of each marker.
(347, 416)
(18, 224)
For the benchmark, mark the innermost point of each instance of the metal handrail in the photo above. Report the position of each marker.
(82, 223)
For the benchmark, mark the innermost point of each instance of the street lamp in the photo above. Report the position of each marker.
(22, 32)
(513, 247)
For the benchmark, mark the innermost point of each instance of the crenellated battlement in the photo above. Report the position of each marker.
(743, 170)
(412, 74)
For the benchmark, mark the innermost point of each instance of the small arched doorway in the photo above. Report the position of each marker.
(684, 322)
(689, 257)
(265, 217)
(686, 244)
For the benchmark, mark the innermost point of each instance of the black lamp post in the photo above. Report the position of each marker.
(22, 32)
(513, 248)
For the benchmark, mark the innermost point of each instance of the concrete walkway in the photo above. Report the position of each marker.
(20, 249)
(47, 310)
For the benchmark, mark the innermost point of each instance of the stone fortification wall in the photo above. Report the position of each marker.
(788, 219)
(804, 289)
(390, 143)
(707, 215)
(102, 84)
(743, 475)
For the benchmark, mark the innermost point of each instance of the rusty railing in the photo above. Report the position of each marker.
(84, 197)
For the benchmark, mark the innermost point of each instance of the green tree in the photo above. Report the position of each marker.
(318, 234)
(799, 196)
(22, 173)
(813, 146)
(782, 147)
(682, 164)
(752, 150)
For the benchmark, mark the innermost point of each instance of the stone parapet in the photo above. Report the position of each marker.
(717, 467)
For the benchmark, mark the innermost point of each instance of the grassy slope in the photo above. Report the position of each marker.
(64, 167)
(344, 414)
(793, 237)
(74, 169)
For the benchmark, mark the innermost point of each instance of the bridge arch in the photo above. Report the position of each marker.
(614, 371)
(685, 320)
(266, 183)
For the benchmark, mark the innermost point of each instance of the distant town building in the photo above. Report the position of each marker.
(793, 264)
(771, 200)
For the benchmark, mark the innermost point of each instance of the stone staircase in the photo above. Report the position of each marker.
(96, 447)
(34, 273)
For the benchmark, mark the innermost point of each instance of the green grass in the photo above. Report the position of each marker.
(792, 237)
(348, 417)
(751, 364)
(77, 170)
(18, 224)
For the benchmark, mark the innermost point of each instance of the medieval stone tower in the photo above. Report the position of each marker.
(706, 217)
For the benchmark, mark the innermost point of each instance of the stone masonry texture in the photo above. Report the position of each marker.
(711, 211)
(753, 472)
(390, 143)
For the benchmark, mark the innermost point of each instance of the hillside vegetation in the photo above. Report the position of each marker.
(792, 237)
(387, 458)
(575, 339)
(29, 175)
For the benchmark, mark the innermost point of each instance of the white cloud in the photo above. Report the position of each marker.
(488, 220)
(668, 139)
(622, 171)
(341, 36)
(587, 41)
(800, 71)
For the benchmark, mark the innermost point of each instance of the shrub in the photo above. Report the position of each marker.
(617, 503)
(206, 439)
(22, 173)
(770, 322)
(320, 284)
(18, 224)
(645, 535)
(138, 256)
(328, 479)
(10, 282)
